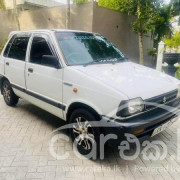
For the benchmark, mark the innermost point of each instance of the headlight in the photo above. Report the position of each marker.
(128, 108)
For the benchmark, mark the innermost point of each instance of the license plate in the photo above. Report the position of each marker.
(163, 127)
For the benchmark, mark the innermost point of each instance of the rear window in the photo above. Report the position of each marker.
(6, 51)
(18, 48)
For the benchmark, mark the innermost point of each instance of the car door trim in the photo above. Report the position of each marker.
(46, 100)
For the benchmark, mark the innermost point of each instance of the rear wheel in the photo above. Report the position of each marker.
(9, 97)
(84, 133)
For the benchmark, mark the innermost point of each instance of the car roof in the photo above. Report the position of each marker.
(46, 30)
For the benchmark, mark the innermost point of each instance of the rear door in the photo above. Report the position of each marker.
(15, 56)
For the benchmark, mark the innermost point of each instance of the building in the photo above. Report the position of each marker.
(114, 25)
(31, 4)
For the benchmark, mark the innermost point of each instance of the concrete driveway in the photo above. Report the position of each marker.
(25, 134)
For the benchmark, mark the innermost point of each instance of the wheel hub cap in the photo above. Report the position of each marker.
(6, 92)
(83, 133)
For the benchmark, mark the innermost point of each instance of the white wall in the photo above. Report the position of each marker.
(47, 3)
(9, 3)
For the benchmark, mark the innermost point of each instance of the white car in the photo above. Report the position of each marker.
(82, 78)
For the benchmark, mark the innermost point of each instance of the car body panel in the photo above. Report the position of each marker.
(103, 98)
(131, 79)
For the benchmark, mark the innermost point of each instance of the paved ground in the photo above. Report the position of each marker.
(24, 151)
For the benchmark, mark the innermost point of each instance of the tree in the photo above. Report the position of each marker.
(145, 13)
(175, 5)
(2, 5)
(163, 27)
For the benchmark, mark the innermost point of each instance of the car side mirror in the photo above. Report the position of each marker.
(50, 60)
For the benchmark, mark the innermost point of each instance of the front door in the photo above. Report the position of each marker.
(44, 80)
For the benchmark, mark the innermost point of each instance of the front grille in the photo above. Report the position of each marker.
(162, 99)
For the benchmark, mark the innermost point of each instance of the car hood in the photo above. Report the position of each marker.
(131, 79)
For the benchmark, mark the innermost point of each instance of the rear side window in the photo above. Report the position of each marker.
(6, 51)
(18, 48)
(39, 48)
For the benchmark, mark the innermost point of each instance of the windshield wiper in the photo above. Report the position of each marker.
(106, 61)
(89, 63)
(122, 58)
(119, 60)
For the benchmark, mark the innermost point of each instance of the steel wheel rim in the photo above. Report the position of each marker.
(83, 133)
(6, 92)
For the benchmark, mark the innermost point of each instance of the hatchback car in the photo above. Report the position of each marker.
(84, 79)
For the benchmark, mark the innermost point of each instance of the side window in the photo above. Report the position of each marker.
(6, 51)
(18, 48)
(39, 49)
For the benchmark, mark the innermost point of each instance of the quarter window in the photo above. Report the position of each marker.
(18, 48)
(39, 48)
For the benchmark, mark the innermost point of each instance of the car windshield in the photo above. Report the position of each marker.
(81, 48)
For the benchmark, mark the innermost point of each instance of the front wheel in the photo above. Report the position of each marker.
(9, 97)
(85, 133)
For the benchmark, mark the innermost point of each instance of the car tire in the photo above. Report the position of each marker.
(85, 133)
(9, 97)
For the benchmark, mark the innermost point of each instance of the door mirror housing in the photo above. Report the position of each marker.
(49, 60)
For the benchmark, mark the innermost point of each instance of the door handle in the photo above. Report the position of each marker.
(7, 63)
(30, 70)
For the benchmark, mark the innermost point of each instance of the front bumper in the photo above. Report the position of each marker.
(148, 120)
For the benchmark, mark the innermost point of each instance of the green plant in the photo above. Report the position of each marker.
(79, 1)
(163, 25)
(2, 5)
(177, 73)
(152, 52)
(2, 46)
(175, 4)
(174, 41)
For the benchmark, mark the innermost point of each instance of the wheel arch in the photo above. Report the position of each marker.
(78, 105)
